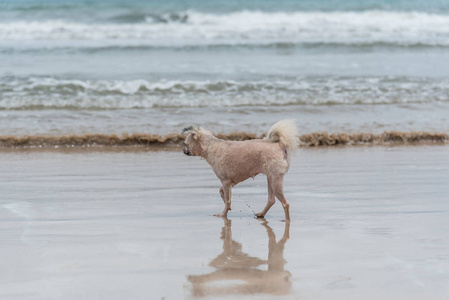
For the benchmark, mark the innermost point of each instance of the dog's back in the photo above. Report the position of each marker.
(240, 160)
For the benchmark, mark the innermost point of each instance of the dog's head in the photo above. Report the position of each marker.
(196, 141)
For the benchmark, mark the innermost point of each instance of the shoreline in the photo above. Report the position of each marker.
(173, 141)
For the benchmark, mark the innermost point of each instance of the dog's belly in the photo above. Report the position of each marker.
(240, 178)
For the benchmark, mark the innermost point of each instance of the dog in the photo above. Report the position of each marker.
(236, 161)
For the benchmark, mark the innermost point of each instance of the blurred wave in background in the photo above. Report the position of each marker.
(107, 66)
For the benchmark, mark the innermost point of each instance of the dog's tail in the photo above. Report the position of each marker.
(284, 132)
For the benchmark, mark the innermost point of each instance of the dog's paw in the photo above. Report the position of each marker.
(220, 215)
(259, 216)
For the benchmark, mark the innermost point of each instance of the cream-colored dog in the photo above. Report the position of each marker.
(234, 162)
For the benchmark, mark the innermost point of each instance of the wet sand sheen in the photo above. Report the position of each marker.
(367, 223)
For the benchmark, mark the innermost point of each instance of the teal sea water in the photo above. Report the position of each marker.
(107, 66)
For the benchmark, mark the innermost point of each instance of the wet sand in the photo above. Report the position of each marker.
(367, 223)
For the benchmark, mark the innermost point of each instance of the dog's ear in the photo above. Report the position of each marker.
(188, 129)
(195, 135)
(192, 130)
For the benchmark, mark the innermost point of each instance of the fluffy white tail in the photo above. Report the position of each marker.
(284, 132)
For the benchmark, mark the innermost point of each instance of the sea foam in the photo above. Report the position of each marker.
(49, 92)
(248, 27)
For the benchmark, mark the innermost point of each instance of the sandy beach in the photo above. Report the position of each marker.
(367, 223)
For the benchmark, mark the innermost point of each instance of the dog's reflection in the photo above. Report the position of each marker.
(238, 273)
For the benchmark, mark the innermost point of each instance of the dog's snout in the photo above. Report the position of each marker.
(186, 152)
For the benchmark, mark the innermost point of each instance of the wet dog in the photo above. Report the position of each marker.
(236, 161)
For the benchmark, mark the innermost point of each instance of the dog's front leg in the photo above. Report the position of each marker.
(271, 201)
(222, 195)
(225, 193)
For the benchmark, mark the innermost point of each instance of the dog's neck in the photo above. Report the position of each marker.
(209, 143)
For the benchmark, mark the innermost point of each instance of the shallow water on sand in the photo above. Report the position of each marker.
(256, 120)
(367, 223)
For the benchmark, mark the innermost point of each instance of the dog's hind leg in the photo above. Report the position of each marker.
(225, 193)
(271, 201)
(278, 190)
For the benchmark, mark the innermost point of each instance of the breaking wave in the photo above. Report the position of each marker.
(52, 93)
(245, 27)
(174, 140)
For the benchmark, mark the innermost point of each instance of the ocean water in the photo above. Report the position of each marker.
(112, 67)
